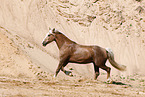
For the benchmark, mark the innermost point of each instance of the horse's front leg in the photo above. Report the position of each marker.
(66, 72)
(58, 69)
(63, 62)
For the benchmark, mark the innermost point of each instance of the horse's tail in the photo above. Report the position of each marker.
(112, 61)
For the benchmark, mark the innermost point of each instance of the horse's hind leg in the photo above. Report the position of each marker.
(96, 68)
(107, 69)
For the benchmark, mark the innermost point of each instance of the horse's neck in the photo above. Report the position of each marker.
(61, 39)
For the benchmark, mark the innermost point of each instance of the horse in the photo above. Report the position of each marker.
(72, 52)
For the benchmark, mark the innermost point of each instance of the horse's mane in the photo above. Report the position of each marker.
(58, 32)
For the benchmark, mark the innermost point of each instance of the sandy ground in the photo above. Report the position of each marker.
(82, 87)
(27, 68)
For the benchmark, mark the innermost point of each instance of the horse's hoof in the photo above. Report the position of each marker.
(68, 72)
(109, 81)
(71, 74)
(54, 76)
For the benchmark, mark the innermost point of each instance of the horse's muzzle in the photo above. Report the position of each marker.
(44, 44)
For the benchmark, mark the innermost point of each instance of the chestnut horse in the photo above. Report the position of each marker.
(71, 52)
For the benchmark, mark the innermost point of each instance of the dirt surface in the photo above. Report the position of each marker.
(27, 68)
(83, 87)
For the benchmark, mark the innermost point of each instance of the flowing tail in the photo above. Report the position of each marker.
(112, 61)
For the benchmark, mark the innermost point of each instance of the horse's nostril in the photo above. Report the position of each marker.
(44, 44)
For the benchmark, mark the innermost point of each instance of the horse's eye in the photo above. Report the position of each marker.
(48, 35)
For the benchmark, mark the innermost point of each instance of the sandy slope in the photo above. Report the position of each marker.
(12, 60)
(26, 68)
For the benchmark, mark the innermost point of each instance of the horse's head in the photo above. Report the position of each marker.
(50, 36)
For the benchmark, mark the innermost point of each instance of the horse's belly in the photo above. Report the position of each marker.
(81, 59)
(82, 55)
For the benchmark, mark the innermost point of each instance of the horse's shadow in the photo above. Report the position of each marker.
(119, 83)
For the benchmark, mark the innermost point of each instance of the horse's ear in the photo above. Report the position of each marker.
(53, 31)
(49, 28)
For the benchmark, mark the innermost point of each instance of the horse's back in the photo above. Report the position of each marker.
(86, 54)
